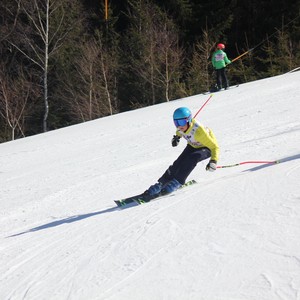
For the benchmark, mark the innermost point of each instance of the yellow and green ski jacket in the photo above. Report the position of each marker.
(199, 136)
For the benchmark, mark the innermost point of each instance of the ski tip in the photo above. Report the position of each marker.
(123, 205)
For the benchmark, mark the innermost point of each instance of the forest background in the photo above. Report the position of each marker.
(64, 62)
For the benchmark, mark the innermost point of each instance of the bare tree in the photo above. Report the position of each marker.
(41, 35)
(159, 57)
(93, 95)
(170, 60)
(10, 15)
(14, 96)
(199, 75)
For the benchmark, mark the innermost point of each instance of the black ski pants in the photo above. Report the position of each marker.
(222, 80)
(185, 164)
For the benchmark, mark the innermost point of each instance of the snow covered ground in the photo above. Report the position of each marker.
(233, 236)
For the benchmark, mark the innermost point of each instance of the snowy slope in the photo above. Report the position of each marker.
(235, 235)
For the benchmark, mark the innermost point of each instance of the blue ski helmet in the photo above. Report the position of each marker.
(182, 116)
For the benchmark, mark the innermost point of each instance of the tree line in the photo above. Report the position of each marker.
(69, 61)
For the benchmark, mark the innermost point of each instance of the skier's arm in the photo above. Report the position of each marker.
(206, 137)
(213, 61)
(178, 133)
(176, 139)
(227, 61)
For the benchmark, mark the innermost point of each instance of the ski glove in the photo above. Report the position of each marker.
(175, 140)
(211, 166)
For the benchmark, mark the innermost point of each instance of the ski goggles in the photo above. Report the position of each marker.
(181, 122)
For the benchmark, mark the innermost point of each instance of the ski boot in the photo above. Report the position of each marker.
(170, 187)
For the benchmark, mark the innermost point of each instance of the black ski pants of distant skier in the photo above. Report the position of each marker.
(185, 164)
(222, 80)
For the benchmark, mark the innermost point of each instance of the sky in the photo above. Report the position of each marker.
(232, 236)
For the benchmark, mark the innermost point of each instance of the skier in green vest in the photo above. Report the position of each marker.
(219, 62)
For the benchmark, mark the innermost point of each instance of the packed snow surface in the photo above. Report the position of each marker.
(233, 236)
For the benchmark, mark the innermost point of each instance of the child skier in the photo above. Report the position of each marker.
(219, 62)
(201, 144)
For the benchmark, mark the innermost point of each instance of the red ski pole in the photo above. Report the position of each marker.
(203, 105)
(250, 162)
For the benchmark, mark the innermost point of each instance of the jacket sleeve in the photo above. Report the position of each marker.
(227, 61)
(213, 60)
(178, 133)
(207, 138)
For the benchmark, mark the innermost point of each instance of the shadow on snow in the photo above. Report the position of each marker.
(283, 160)
(67, 220)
